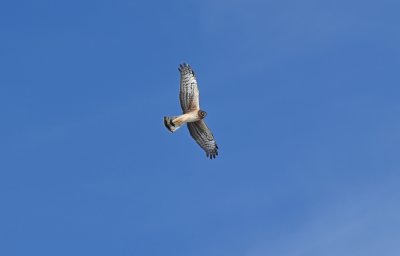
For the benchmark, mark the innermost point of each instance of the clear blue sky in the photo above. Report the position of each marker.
(302, 97)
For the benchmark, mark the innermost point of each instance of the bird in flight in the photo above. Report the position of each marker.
(192, 114)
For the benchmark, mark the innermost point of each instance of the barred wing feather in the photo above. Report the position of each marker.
(204, 137)
(189, 93)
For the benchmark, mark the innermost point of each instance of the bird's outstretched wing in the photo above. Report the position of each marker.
(204, 137)
(189, 93)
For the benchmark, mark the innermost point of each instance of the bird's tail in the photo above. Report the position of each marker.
(169, 123)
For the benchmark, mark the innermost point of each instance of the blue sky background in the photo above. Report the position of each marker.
(302, 97)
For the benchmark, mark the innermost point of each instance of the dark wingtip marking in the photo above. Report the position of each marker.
(171, 123)
(181, 67)
(212, 155)
(185, 65)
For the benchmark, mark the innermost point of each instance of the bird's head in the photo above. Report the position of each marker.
(202, 114)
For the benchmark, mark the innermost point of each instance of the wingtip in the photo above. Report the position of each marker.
(212, 155)
(184, 66)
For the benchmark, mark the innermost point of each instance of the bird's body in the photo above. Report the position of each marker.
(192, 114)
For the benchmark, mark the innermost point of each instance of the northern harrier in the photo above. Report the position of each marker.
(192, 114)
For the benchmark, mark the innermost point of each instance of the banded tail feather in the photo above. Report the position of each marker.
(171, 126)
